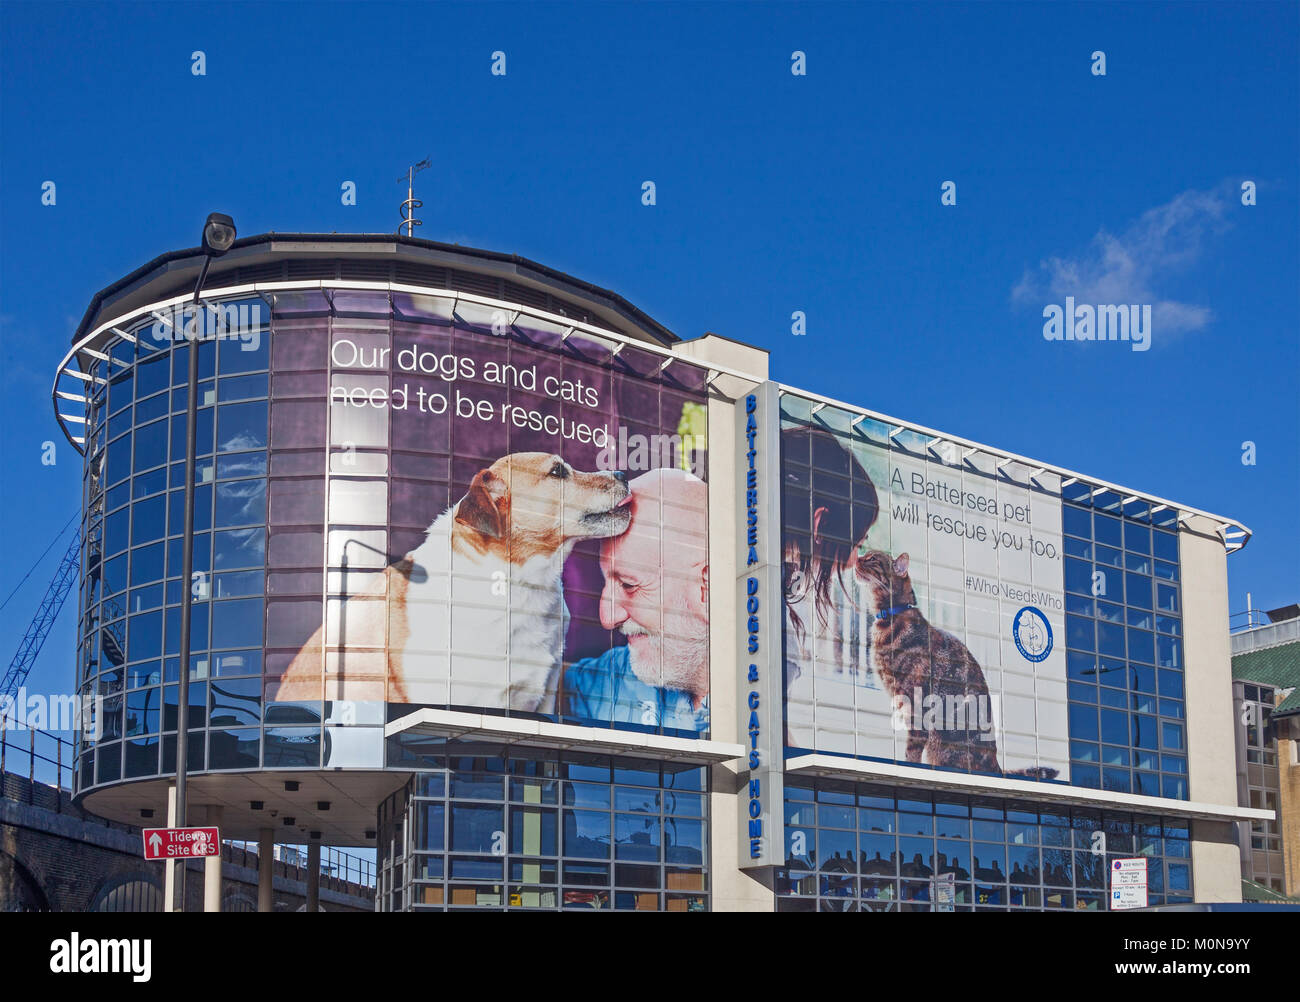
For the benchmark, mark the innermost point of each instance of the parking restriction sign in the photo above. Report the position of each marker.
(1128, 883)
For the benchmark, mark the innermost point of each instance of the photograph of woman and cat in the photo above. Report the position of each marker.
(868, 673)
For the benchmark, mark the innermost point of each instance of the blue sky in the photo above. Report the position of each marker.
(775, 193)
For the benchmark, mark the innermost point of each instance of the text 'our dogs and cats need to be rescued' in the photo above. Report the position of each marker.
(451, 368)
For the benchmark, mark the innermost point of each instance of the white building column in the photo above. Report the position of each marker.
(169, 866)
(734, 889)
(212, 866)
(1207, 679)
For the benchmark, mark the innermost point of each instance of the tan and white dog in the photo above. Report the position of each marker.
(474, 616)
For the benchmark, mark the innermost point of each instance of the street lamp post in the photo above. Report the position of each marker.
(218, 236)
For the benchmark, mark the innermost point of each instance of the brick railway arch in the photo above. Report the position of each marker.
(136, 891)
(19, 889)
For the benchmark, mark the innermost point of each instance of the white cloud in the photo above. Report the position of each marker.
(1127, 268)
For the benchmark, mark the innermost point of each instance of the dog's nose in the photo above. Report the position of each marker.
(620, 476)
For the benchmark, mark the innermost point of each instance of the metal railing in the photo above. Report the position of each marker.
(1265, 634)
(1247, 619)
(339, 869)
(44, 756)
(46, 760)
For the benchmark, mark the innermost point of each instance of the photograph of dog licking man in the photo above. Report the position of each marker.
(528, 535)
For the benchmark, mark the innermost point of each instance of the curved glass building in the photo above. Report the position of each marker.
(495, 573)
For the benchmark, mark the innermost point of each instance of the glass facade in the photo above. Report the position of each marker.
(296, 507)
(1124, 642)
(873, 848)
(477, 829)
(300, 503)
(1266, 864)
(131, 585)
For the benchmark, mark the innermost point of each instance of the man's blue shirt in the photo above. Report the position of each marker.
(606, 689)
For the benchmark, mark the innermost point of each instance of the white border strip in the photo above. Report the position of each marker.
(456, 296)
(540, 734)
(836, 767)
(1071, 475)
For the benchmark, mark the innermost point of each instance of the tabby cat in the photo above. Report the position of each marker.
(912, 657)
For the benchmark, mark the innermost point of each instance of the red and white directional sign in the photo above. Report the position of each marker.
(1128, 883)
(181, 843)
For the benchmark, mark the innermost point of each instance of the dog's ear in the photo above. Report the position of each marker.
(478, 509)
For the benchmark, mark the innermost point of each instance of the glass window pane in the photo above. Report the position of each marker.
(237, 623)
(1107, 530)
(235, 702)
(238, 548)
(636, 837)
(290, 747)
(477, 828)
(241, 502)
(1076, 521)
(533, 831)
(233, 748)
(684, 841)
(587, 834)
(241, 427)
(836, 850)
(151, 445)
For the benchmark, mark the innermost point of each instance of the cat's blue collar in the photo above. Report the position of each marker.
(884, 614)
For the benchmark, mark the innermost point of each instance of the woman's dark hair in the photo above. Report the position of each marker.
(822, 474)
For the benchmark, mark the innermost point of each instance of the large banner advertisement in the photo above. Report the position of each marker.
(496, 517)
(924, 599)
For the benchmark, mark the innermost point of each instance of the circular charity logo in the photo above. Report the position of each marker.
(1033, 634)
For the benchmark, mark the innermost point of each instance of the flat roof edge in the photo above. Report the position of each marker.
(380, 244)
(864, 770)
(559, 737)
(1061, 471)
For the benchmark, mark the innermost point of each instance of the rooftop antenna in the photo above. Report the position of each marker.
(412, 203)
